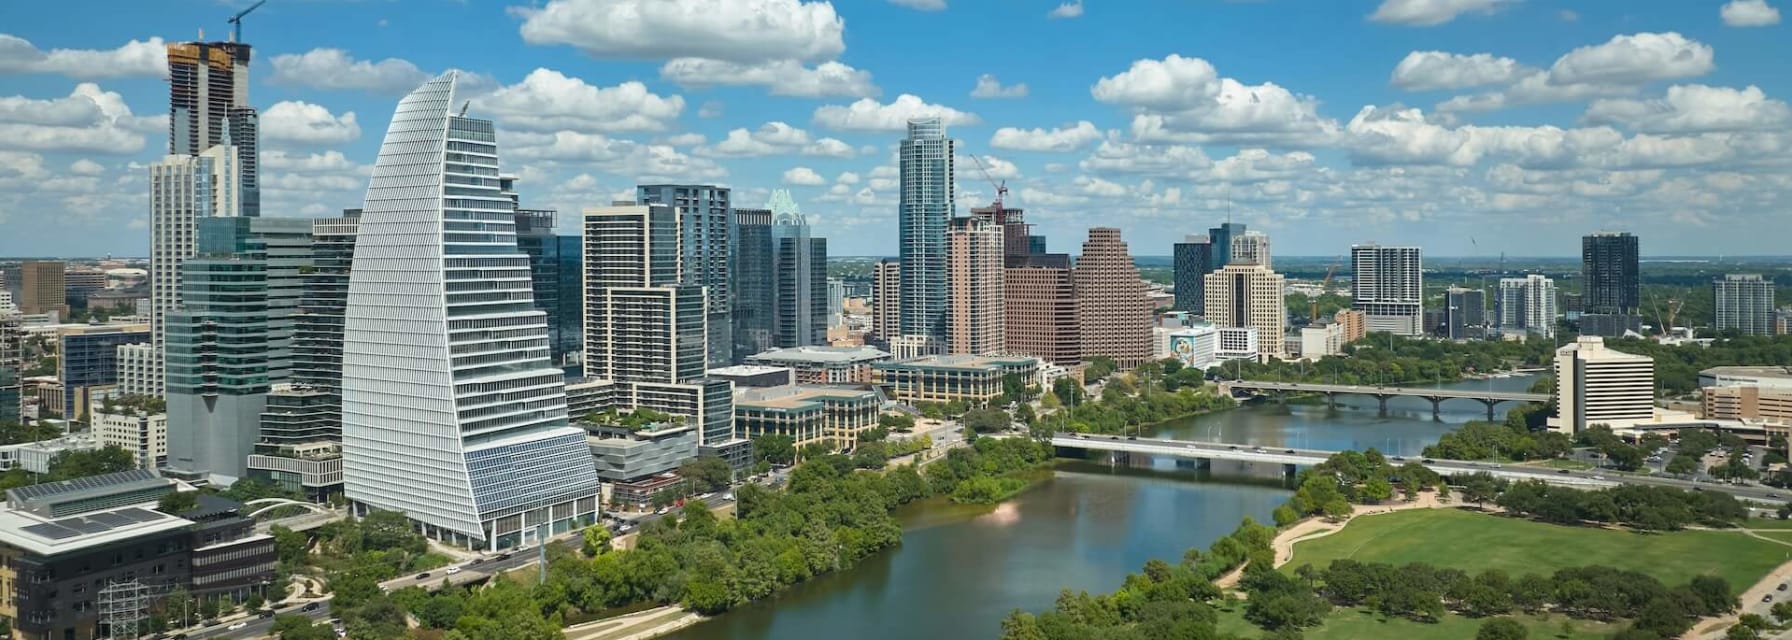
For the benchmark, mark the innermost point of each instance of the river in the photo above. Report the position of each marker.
(960, 568)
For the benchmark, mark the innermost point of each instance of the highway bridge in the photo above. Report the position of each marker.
(1292, 458)
(1489, 398)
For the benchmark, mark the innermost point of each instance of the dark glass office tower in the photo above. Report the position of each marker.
(1610, 289)
(1193, 261)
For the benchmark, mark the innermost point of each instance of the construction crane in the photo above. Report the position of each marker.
(1001, 187)
(237, 35)
(1324, 286)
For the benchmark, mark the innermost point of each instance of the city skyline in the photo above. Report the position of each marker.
(1679, 109)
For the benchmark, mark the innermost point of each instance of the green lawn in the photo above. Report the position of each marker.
(1768, 523)
(1473, 542)
(1354, 624)
(1562, 463)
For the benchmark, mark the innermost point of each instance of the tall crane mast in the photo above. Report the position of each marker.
(1001, 187)
(237, 20)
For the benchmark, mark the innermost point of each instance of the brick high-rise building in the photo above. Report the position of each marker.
(42, 288)
(1041, 309)
(886, 299)
(974, 282)
(1250, 296)
(1113, 310)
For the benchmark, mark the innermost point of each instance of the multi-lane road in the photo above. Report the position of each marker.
(1308, 457)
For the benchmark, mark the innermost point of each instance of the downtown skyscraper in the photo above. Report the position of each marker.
(1193, 260)
(1388, 286)
(208, 101)
(1743, 303)
(705, 231)
(1526, 305)
(926, 205)
(975, 314)
(1611, 292)
(452, 412)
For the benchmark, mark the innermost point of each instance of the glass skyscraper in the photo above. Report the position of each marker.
(452, 412)
(705, 223)
(1611, 292)
(926, 206)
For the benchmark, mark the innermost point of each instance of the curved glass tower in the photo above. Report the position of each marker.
(452, 411)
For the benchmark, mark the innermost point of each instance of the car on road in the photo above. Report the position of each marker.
(1256, 449)
(309, 606)
(502, 556)
(1233, 447)
(1765, 598)
(1772, 495)
(1782, 587)
(1399, 458)
(663, 511)
(452, 570)
(265, 613)
(728, 496)
(476, 561)
(423, 575)
(1287, 451)
(241, 625)
(1428, 461)
(1132, 437)
(625, 528)
(1562, 471)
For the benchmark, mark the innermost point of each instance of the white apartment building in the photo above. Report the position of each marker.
(1388, 286)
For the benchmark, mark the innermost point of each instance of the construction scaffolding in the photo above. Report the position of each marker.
(124, 609)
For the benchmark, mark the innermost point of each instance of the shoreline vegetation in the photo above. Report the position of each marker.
(1637, 601)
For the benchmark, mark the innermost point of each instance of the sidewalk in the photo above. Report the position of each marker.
(651, 623)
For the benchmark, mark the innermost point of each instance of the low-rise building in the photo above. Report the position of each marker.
(1765, 378)
(640, 493)
(35, 456)
(973, 379)
(1238, 343)
(138, 424)
(824, 365)
(69, 547)
(755, 375)
(1195, 346)
(629, 453)
(830, 416)
(312, 469)
(1321, 339)
(1747, 403)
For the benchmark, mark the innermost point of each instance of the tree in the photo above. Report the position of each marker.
(1375, 491)
(69, 465)
(707, 473)
(1501, 629)
(301, 628)
(987, 420)
(779, 449)
(1683, 464)
(1337, 508)
(1068, 391)
(1481, 487)
(178, 502)
(597, 540)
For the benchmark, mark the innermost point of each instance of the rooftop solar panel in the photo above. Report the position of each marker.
(110, 519)
(137, 515)
(50, 531)
(82, 525)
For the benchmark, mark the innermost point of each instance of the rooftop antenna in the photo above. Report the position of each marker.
(237, 20)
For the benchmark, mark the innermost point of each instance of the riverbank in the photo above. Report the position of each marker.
(643, 625)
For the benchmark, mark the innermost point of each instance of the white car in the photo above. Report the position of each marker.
(664, 510)
(452, 570)
(728, 496)
(236, 626)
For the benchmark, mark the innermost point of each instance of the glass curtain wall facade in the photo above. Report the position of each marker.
(452, 410)
(926, 205)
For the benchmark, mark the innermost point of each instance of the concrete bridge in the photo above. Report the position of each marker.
(1331, 391)
(1290, 459)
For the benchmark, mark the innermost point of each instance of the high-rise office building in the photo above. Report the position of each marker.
(641, 324)
(80, 282)
(1113, 311)
(754, 288)
(886, 299)
(1249, 296)
(1250, 247)
(1598, 385)
(452, 412)
(1388, 286)
(1041, 309)
(1611, 292)
(1193, 260)
(1016, 233)
(926, 204)
(42, 288)
(800, 271)
(208, 104)
(975, 317)
(218, 367)
(87, 358)
(183, 189)
(1744, 303)
(704, 230)
(1221, 239)
(1465, 313)
(1526, 304)
(12, 363)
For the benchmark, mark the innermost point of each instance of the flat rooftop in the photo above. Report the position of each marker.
(816, 354)
(1784, 373)
(797, 396)
(963, 361)
(45, 536)
(746, 370)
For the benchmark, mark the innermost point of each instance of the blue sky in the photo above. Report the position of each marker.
(1464, 126)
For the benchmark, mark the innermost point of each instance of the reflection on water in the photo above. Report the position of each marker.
(960, 568)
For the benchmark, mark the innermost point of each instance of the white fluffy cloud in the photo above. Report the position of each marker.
(1169, 161)
(989, 87)
(1749, 13)
(144, 58)
(1425, 13)
(548, 100)
(922, 5)
(1067, 10)
(88, 119)
(1616, 67)
(625, 158)
(1694, 109)
(1181, 99)
(745, 31)
(803, 176)
(870, 115)
(1433, 70)
(1633, 59)
(1070, 138)
(305, 123)
(335, 69)
(775, 138)
(781, 77)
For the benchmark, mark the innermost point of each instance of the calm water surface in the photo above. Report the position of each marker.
(961, 568)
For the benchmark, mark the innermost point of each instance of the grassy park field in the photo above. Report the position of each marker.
(1352, 624)
(1473, 542)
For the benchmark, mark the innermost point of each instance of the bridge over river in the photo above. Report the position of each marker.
(1437, 397)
